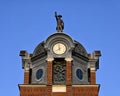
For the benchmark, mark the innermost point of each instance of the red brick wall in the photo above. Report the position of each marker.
(85, 91)
(38, 90)
(59, 94)
(32, 91)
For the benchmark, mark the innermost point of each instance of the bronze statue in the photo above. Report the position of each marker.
(60, 23)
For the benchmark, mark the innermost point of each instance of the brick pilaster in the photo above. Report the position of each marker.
(92, 77)
(26, 77)
(68, 72)
(49, 73)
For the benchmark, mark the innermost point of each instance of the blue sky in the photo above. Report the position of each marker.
(25, 23)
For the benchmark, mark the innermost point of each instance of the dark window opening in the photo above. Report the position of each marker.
(88, 75)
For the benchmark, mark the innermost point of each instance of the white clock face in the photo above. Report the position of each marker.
(59, 48)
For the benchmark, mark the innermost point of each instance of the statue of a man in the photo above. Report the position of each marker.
(60, 23)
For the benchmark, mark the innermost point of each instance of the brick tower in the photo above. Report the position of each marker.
(59, 66)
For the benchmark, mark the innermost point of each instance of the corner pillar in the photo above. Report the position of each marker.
(26, 76)
(49, 70)
(92, 76)
(68, 71)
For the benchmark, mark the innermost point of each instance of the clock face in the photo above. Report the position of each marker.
(59, 48)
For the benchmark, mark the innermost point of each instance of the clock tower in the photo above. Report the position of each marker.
(59, 66)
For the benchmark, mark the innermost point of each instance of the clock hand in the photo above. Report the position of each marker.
(59, 47)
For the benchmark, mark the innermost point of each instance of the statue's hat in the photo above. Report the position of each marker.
(59, 15)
